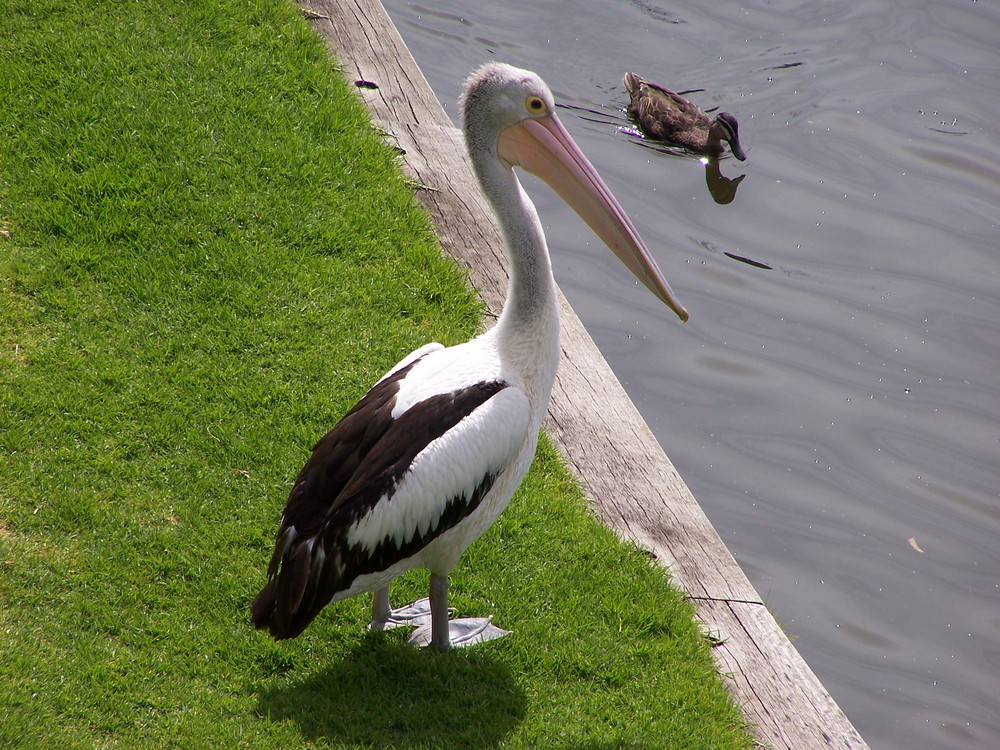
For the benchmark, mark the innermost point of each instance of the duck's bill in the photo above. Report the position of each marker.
(737, 149)
(543, 147)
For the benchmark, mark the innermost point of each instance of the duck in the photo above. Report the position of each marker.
(667, 116)
(430, 457)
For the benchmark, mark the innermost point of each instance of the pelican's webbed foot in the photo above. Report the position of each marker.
(430, 618)
(411, 616)
(465, 631)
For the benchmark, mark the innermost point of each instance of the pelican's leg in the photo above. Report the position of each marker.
(384, 617)
(380, 609)
(442, 633)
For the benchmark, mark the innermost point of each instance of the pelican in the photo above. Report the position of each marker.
(431, 455)
(667, 116)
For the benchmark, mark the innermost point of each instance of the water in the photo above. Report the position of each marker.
(837, 414)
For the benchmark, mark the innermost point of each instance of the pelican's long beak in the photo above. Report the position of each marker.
(543, 147)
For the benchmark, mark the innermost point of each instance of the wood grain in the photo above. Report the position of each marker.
(630, 482)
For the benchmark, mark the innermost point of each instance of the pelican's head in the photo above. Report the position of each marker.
(509, 119)
(725, 128)
(497, 96)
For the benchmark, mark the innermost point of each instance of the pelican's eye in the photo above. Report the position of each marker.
(535, 105)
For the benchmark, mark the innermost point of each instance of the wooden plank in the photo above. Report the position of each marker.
(628, 478)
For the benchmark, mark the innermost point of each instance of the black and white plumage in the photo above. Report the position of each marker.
(432, 454)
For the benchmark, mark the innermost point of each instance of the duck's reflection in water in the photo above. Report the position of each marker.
(721, 188)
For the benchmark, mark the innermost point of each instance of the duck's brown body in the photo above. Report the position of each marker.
(667, 116)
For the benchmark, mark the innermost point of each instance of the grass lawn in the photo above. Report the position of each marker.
(206, 256)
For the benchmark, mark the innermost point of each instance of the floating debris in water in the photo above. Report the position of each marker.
(748, 261)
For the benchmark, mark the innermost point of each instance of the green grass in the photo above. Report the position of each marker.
(206, 256)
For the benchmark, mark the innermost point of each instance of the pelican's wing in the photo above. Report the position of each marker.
(384, 483)
(398, 506)
(336, 458)
(412, 357)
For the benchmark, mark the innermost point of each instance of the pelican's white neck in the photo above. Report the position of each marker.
(530, 309)
(527, 333)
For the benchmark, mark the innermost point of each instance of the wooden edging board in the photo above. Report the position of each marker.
(627, 477)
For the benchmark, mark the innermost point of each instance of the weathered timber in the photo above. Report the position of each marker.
(628, 479)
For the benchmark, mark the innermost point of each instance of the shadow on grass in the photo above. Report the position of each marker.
(385, 694)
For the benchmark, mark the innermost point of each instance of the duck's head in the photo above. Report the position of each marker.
(725, 128)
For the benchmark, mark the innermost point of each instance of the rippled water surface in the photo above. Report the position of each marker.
(836, 412)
